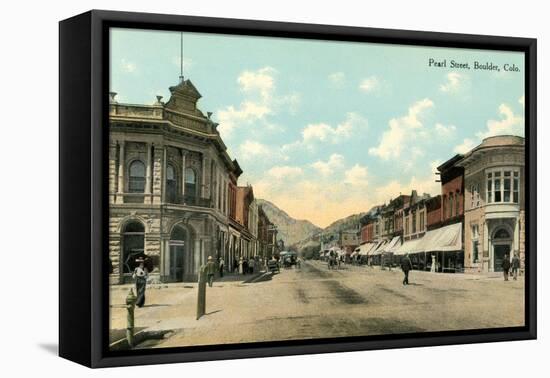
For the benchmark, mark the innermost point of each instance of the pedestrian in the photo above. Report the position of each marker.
(140, 275)
(515, 266)
(406, 266)
(245, 266)
(210, 270)
(506, 266)
(241, 265)
(235, 265)
(221, 266)
(251, 265)
(434, 265)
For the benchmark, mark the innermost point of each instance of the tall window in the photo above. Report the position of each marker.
(516, 187)
(451, 207)
(489, 187)
(171, 184)
(422, 221)
(457, 203)
(497, 185)
(190, 185)
(414, 222)
(503, 186)
(136, 180)
(474, 195)
(475, 243)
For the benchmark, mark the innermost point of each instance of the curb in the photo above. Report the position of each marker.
(139, 337)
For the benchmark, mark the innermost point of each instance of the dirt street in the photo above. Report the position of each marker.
(314, 302)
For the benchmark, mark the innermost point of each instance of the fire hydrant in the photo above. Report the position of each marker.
(130, 307)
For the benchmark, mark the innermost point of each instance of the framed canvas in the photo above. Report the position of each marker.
(235, 188)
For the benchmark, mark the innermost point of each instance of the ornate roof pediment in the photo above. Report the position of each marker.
(184, 97)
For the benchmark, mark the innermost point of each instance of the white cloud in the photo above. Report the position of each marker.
(315, 133)
(128, 66)
(444, 131)
(248, 112)
(403, 131)
(508, 124)
(356, 176)
(337, 78)
(251, 149)
(260, 81)
(284, 172)
(369, 84)
(328, 168)
(455, 82)
(465, 146)
(260, 102)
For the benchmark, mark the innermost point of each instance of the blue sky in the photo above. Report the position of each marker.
(328, 129)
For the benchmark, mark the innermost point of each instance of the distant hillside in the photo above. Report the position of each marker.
(290, 230)
(352, 222)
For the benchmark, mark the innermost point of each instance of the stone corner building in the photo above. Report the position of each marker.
(494, 199)
(169, 187)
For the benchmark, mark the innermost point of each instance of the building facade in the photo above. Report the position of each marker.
(169, 187)
(415, 216)
(494, 219)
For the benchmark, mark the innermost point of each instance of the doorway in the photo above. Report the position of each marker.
(500, 251)
(177, 246)
(502, 243)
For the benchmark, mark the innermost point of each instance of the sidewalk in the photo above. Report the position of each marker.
(464, 276)
(227, 277)
(172, 306)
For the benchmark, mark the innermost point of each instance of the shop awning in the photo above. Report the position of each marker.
(448, 238)
(379, 248)
(445, 239)
(363, 249)
(392, 245)
(410, 246)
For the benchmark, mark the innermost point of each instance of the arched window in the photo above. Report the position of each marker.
(136, 181)
(190, 185)
(171, 184)
(133, 238)
(178, 234)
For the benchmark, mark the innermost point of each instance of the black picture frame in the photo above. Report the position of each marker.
(83, 114)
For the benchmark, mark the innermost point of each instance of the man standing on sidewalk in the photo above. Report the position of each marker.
(506, 266)
(515, 266)
(406, 266)
(210, 270)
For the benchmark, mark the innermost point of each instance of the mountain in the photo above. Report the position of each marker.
(290, 230)
(351, 222)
